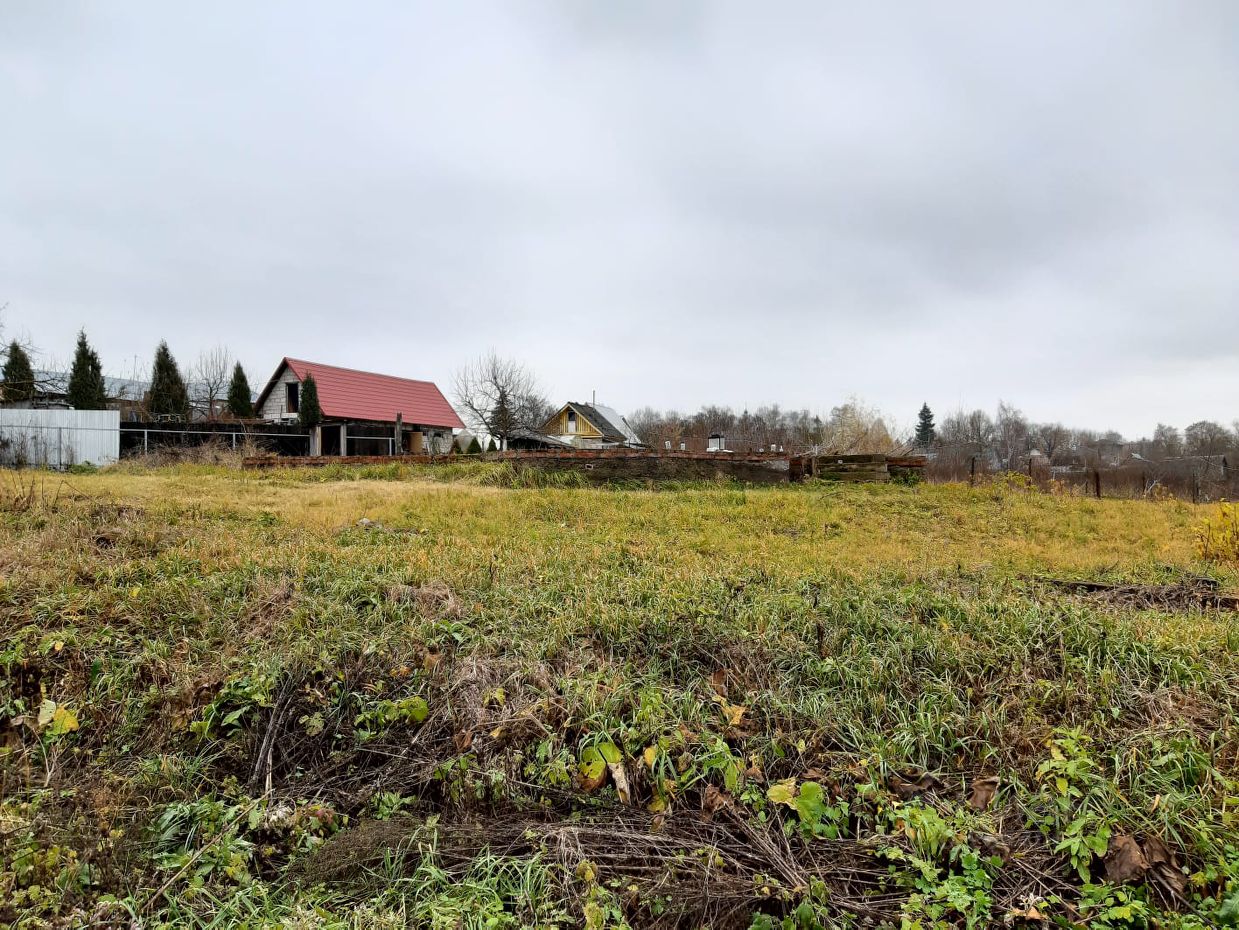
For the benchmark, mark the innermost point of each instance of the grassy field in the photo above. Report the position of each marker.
(395, 698)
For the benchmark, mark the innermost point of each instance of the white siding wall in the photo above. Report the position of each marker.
(59, 438)
(274, 406)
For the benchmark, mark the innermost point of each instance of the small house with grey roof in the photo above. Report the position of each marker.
(591, 426)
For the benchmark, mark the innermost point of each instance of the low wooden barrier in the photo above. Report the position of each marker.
(869, 467)
(619, 464)
(595, 464)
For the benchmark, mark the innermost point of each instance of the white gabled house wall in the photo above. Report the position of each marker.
(275, 407)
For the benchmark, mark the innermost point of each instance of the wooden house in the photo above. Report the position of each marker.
(591, 426)
(364, 413)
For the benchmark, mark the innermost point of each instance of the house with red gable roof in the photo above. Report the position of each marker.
(364, 413)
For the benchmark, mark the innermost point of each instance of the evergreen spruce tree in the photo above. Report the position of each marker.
(925, 432)
(85, 390)
(309, 412)
(240, 404)
(168, 396)
(492, 447)
(18, 375)
(475, 447)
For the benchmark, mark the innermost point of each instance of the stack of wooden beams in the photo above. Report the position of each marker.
(851, 468)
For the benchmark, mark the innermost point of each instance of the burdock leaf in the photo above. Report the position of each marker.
(593, 769)
(810, 804)
(783, 792)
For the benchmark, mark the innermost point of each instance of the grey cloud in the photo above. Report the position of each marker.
(671, 203)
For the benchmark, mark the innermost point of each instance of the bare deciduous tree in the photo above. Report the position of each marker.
(209, 380)
(1011, 435)
(1167, 442)
(1205, 437)
(499, 397)
(1052, 438)
(854, 427)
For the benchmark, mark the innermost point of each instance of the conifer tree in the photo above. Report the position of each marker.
(18, 375)
(925, 432)
(308, 410)
(168, 396)
(85, 390)
(240, 403)
(475, 447)
(492, 447)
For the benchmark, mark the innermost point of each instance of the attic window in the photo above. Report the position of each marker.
(572, 421)
(291, 396)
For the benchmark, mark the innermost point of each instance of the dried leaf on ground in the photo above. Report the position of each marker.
(1164, 868)
(620, 777)
(983, 791)
(908, 788)
(714, 800)
(1125, 861)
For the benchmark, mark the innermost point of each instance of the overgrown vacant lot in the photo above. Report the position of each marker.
(393, 698)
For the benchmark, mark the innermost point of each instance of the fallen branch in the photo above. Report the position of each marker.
(1201, 592)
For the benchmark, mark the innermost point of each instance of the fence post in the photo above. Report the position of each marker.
(1097, 483)
(145, 445)
(972, 472)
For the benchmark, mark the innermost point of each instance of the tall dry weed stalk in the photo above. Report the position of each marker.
(1217, 539)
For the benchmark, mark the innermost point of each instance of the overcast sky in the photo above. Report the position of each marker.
(669, 203)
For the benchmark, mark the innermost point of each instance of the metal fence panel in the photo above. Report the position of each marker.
(59, 438)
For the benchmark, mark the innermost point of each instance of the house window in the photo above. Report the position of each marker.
(291, 396)
(572, 421)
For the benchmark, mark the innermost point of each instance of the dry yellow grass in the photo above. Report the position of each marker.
(857, 530)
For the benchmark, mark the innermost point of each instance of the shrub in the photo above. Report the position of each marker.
(1217, 539)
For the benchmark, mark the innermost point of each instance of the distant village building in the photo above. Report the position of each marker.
(590, 426)
(364, 413)
(52, 390)
(1204, 467)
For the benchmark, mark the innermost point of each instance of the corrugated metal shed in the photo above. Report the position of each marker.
(59, 438)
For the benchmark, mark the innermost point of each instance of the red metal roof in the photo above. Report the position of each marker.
(345, 393)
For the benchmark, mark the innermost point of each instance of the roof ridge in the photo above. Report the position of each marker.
(356, 371)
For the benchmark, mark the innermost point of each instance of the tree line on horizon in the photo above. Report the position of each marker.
(1006, 438)
(501, 397)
